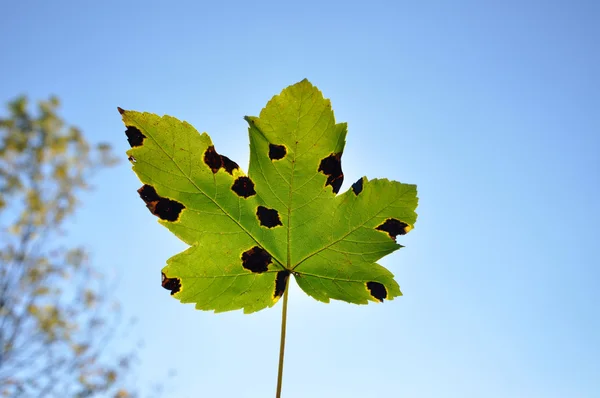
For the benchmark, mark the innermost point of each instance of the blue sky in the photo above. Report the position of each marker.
(490, 107)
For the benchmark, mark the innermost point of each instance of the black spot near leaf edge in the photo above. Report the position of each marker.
(172, 284)
(394, 227)
(331, 166)
(212, 159)
(277, 152)
(268, 217)
(377, 291)
(243, 187)
(134, 136)
(164, 208)
(281, 283)
(229, 165)
(357, 187)
(256, 260)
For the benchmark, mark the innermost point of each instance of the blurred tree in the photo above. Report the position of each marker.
(55, 316)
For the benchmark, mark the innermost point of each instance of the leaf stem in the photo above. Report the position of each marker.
(282, 342)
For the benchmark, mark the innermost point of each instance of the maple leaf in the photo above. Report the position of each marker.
(249, 233)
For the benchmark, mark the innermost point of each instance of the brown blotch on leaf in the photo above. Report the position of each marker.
(134, 136)
(277, 152)
(394, 227)
(228, 164)
(163, 208)
(121, 110)
(212, 159)
(243, 186)
(215, 161)
(268, 217)
(331, 166)
(172, 284)
(357, 187)
(256, 260)
(132, 159)
(281, 283)
(377, 290)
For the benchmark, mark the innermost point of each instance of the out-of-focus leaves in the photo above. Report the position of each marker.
(55, 315)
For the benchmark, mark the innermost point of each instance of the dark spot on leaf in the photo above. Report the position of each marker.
(281, 283)
(256, 260)
(243, 186)
(132, 159)
(172, 284)
(163, 208)
(212, 159)
(394, 227)
(148, 194)
(134, 136)
(331, 166)
(229, 164)
(268, 217)
(357, 187)
(377, 290)
(276, 152)
(121, 110)
(216, 161)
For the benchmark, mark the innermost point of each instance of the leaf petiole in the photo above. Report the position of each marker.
(282, 343)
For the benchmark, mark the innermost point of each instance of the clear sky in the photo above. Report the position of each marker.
(492, 108)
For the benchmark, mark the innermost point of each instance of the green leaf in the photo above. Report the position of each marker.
(248, 233)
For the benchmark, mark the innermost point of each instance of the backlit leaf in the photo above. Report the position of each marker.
(249, 233)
